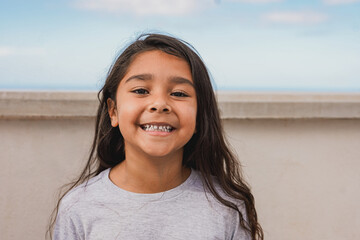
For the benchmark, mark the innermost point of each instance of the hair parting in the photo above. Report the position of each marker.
(220, 163)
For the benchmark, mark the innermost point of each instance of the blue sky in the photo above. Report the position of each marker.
(248, 45)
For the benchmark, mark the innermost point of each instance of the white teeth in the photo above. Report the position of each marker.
(149, 127)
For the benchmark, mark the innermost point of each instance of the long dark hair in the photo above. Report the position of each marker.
(108, 145)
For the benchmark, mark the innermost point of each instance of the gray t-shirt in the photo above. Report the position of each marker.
(101, 210)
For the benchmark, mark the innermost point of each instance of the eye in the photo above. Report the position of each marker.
(179, 94)
(140, 91)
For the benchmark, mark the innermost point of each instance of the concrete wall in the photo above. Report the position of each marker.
(301, 155)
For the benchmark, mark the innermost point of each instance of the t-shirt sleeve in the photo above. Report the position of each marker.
(239, 233)
(67, 226)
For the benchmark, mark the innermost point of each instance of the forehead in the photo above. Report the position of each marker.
(159, 63)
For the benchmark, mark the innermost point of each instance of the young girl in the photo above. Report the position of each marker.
(159, 166)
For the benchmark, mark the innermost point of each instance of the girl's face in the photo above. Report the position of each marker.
(155, 106)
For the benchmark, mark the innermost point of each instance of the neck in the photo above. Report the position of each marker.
(149, 175)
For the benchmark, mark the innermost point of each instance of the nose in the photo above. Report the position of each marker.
(159, 105)
(159, 109)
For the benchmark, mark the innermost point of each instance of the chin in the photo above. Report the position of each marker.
(158, 154)
(162, 153)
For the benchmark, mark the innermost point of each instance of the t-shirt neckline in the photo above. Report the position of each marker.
(147, 197)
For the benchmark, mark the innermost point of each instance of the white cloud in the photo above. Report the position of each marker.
(5, 51)
(255, 1)
(10, 51)
(295, 17)
(338, 2)
(144, 7)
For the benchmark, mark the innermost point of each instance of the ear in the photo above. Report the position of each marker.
(112, 112)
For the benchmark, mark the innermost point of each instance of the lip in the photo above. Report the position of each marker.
(158, 123)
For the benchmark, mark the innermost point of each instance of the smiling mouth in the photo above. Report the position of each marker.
(157, 128)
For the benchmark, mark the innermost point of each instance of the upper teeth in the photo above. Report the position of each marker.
(149, 127)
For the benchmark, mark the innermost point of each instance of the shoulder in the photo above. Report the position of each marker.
(227, 217)
(200, 187)
(85, 192)
(74, 208)
(200, 183)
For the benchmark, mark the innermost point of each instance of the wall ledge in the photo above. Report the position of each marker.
(232, 105)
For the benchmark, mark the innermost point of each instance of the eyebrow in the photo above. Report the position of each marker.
(173, 79)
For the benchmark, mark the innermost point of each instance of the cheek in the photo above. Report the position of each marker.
(194, 112)
(190, 118)
(128, 114)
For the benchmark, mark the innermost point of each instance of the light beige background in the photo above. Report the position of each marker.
(304, 171)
